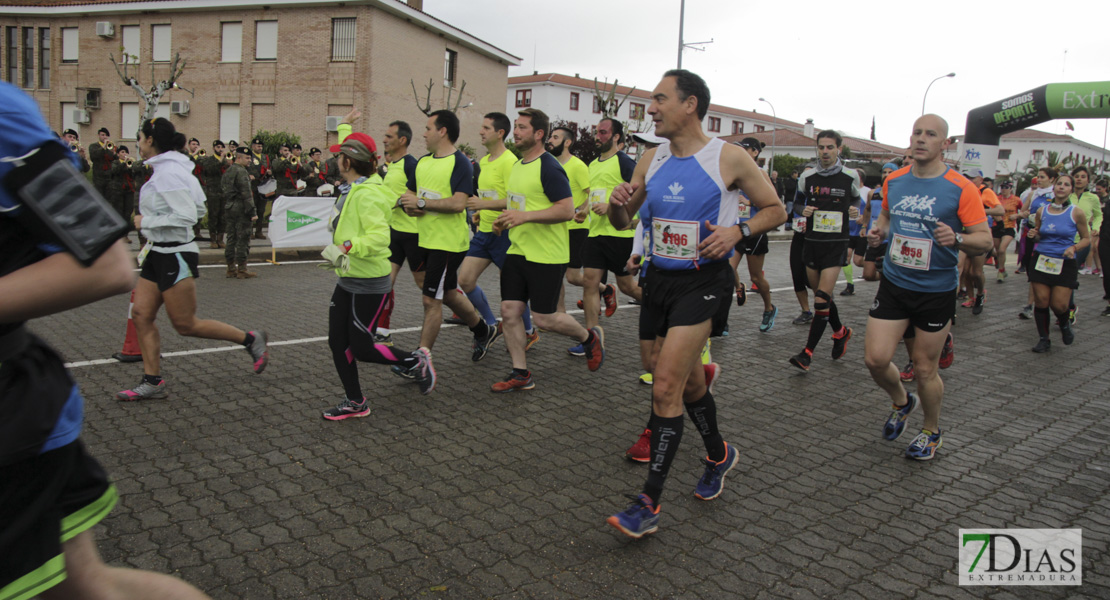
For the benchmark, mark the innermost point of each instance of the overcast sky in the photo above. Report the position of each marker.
(839, 63)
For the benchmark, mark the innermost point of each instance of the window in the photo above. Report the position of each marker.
(265, 40)
(131, 48)
(229, 122)
(13, 51)
(450, 68)
(343, 39)
(129, 120)
(597, 105)
(70, 45)
(759, 128)
(232, 42)
(1004, 154)
(1038, 156)
(28, 57)
(523, 98)
(44, 58)
(574, 100)
(67, 116)
(715, 124)
(598, 102)
(737, 127)
(161, 36)
(636, 111)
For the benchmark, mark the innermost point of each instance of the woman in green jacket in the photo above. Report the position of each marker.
(359, 254)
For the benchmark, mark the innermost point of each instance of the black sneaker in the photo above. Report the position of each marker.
(1067, 334)
(1042, 346)
(840, 342)
(803, 318)
(741, 294)
(848, 290)
(802, 360)
(977, 308)
(1105, 312)
(482, 345)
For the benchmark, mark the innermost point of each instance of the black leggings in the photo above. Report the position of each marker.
(1104, 257)
(797, 264)
(351, 322)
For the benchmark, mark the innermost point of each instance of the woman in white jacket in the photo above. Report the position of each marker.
(170, 203)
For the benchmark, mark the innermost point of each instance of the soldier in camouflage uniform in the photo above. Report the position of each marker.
(239, 213)
(121, 190)
(101, 156)
(260, 169)
(212, 168)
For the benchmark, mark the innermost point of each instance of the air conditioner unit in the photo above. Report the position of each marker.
(332, 123)
(89, 98)
(105, 29)
(179, 107)
(81, 116)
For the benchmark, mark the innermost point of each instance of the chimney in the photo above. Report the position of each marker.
(808, 131)
(417, 4)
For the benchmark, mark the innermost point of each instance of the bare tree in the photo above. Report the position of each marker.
(426, 108)
(153, 96)
(607, 102)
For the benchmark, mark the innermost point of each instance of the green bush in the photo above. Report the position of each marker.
(272, 140)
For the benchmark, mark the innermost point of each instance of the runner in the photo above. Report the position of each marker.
(873, 257)
(559, 144)
(856, 244)
(924, 208)
(971, 275)
(829, 195)
(538, 208)
(1004, 230)
(797, 261)
(687, 195)
(1039, 194)
(755, 248)
(359, 255)
(487, 247)
(437, 197)
(1054, 268)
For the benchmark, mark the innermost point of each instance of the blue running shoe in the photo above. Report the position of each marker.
(713, 480)
(578, 350)
(924, 446)
(639, 519)
(896, 423)
(769, 319)
(400, 371)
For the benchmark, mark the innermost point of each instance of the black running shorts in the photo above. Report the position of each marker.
(683, 298)
(537, 284)
(578, 239)
(754, 246)
(927, 311)
(607, 253)
(441, 272)
(405, 246)
(1068, 276)
(166, 270)
(824, 255)
(874, 254)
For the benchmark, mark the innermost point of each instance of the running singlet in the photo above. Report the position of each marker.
(536, 185)
(397, 178)
(1037, 202)
(1057, 232)
(831, 196)
(853, 225)
(914, 260)
(682, 194)
(440, 178)
(492, 177)
(876, 207)
(604, 176)
(1012, 205)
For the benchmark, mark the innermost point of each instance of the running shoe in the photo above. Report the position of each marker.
(977, 307)
(513, 382)
(1105, 312)
(599, 310)
(706, 355)
(1026, 313)
(1042, 346)
(896, 422)
(454, 320)
(144, 391)
(848, 290)
(712, 374)
(258, 351)
(385, 340)
(840, 341)
(924, 446)
(1073, 314)
(482, 345)
(580, 305)
(741, 294)
(967, 303)
(948, 353)
(640, 451)
(802, 359)
(712, 481)
(425, 372)
(907, 374)
(1085, 271)
(609, 298)
(962, 294)
(578, 350)
(595, 348)
(531, 338)
(400, 371)
(347, 409)
(1067, 334)
(769, 319)
(1001, 276)
(647, 379)
(804, 318)
(639, 519)
(1019, 271)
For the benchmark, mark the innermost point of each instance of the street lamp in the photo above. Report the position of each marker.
(931, 85)
(682, 44)
(774, 127)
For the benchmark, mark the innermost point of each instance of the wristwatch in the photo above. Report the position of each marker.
(959, 240)
(420, 203)
(745, 231)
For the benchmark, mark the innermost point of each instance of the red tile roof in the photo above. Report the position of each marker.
(786, 138)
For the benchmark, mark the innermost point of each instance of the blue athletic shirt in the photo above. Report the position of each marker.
(853, 226)
(682, 194)
(1057, 232)
(914, 260)
(876, 208)
(1038, 202)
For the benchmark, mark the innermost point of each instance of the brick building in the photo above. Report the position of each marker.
(285, 65)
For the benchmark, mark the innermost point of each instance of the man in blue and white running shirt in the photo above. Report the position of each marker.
(924, 208)
(687, 194)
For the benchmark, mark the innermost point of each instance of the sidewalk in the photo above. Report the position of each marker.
(260, 251)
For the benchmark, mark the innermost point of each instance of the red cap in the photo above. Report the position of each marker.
(358, 146)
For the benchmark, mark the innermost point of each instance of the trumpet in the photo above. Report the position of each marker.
(109, 145)
(130, 163)
(201, 153)
(296, 160)
(75, 146)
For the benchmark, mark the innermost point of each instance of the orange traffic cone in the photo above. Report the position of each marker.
(131, 352)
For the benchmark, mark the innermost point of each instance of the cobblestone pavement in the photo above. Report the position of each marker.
(237, 485)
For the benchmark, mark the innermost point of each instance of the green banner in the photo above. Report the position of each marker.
(1090, 100)
(295, 220)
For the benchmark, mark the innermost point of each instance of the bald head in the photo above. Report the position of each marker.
(928, 142)
(932, 122)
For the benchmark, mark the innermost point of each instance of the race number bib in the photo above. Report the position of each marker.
(799, 223)
(427, 194)
(675, 239)
(599, 196)
(1052, 266)
(745, 211)
(515, 201)
(144, 252)
(828, 221)
(487, 194)
(910, 252)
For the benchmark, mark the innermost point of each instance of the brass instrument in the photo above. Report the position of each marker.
(75, 146)
(130, 163)
(296, 160)
(201, 153)
(109, 145)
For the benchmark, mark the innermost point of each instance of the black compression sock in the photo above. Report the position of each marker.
(834, 317)
(247, 341)
(481, 330)
(665, 437)
(704, 415)
(152, 379)
(1040, 316)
